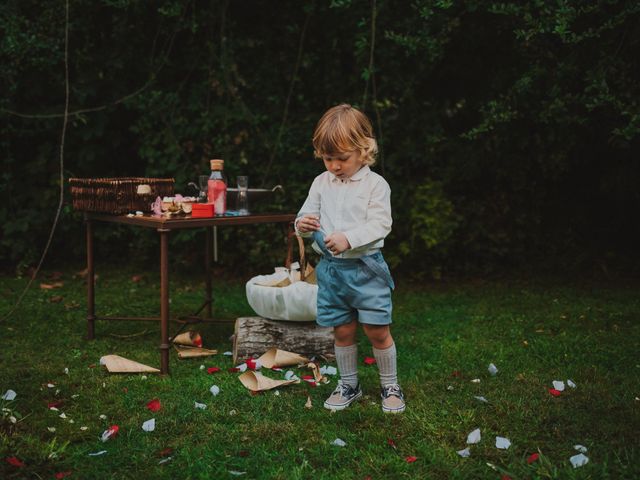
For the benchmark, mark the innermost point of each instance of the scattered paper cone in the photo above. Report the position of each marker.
(256, 382)
(118, 364)
(317, 376)
(185, 351)
(275, 357)
(190, 339)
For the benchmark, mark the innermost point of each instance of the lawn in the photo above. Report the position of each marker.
(447, 335)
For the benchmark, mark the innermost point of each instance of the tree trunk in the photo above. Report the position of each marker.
(256, 335)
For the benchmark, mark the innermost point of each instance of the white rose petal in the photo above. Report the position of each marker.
(103, 417)
(51, 429)
(9, 395)
(201, 406)
(492, 369)
(149, 425)
(558, 385)
(474, 437)
(464, 453)
(13, 419)
(579, 460)
(101, 452)
(481, 399)
(228, 354)
(475, 380)
(571, 384)
(502, 443)
(215, 390)
(580, 448)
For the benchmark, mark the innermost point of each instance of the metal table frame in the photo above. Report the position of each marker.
(164, 226)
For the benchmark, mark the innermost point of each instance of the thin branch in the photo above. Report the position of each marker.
(371, 51)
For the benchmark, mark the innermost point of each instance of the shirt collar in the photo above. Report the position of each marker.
(359, 175)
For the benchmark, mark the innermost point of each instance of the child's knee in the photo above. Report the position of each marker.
(377, 333)
(345, 333)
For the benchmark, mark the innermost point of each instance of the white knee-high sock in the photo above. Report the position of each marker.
(347, 360)
(386, 360)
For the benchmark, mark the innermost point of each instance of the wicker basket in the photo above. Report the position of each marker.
(117, 195)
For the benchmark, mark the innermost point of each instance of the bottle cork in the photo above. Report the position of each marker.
(216, 164)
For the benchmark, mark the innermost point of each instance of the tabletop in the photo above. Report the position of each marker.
(186, 221)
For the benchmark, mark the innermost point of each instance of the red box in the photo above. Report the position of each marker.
(201, 210)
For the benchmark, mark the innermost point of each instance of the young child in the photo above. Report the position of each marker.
(348, 213)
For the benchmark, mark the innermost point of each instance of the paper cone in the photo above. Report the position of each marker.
(281, 358)
(193, 352)
(256, 382)
(191, 339)
(317, 376)
(118, 364)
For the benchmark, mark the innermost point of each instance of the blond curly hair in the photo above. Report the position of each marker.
(344, 128)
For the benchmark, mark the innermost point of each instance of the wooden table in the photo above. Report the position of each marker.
(164, 226)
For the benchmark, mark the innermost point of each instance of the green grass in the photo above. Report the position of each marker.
(535, 332)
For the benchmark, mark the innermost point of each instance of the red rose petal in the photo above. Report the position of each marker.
(391, 443)
(532, 458)
(63, 474)
(53, 404)
(411, 459)
(456, 373)
(234, 369)
(505, 477)
(308, 377)
(554, 392)
(15, 461)
(243, 453)
(369, 360)
(198, 342)
(165, 452)
(213, 370)
(113, 430)
(154, 405)
(251, 363)
(125, 389)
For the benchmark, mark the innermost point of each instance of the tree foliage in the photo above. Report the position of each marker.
(509, 131)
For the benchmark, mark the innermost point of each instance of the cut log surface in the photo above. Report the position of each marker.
(255, 335)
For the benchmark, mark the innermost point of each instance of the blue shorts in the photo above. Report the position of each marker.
(349, 289)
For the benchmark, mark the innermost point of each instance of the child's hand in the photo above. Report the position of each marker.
(308, 223)
(337, 243)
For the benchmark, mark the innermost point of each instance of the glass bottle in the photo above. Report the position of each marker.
(217, 187)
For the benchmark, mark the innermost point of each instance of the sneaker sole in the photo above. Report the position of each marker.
(342, 407)
(393, 410)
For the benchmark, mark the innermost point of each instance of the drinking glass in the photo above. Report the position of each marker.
(243, 194)
(203, 182)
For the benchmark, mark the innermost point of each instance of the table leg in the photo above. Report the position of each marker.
(91, 306)
(207, 266)
(164, 301)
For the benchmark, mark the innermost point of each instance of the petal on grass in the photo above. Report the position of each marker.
(338, 442)
(110, 432)
(200, 406)
(391, 443)
(14, 461)
(410, 459)
(558, 385)
(554, 392)
(60, 475)
(493, 370)
(95, 454)
(9, 395)
(532, 458)
(503, 443)
(580, 448)
(308, 404)
(215, 390)
(149, 425)
(464, 453)
(474, 437)
(154, 405)
(571, 384)
(369, 360)
(211, 370)
(481, 399)
(579, 460)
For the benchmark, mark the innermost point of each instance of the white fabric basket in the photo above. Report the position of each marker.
(295, 302)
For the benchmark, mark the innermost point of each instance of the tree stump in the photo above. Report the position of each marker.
(256, 335)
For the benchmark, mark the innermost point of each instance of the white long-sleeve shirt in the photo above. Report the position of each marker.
(359, 207)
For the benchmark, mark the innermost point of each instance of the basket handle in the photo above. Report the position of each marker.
(301, 254)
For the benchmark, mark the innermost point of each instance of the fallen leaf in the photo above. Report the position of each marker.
(56, 299)
(410, 459)
(369, 360)
(154, 405)
(532, 458)
(51, 286)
